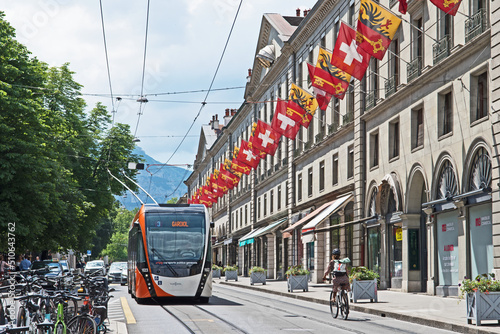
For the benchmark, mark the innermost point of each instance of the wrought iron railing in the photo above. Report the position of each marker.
(348, 118)
(320, 136)
(308, 145)
(390, 85)
(441, 49)
(414, 68)
(284, 161)
(332, 128)
(297, 151)
(370, 100)
(475, 25)
(277, 167)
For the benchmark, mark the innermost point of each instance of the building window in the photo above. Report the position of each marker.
(271, 201)
(479, 96)
(310, 133)
(299, 187)
(418, 40)
(265, 205)
(350, 104)
(258, 207)
(350, 162)
(322, 176)
(265, 112)
(310, 59)
(417, 128)
(246, 215)
(286, 193)
(352, 15)
(241, 217)
(394, 63)
(445, 114)
(299, 74)
(279, 198)
(335, 169)
(310, 182)
(272, 107)
(374, 150)
(445, 25)
(335, 115)
(394, 139)
(322, 42)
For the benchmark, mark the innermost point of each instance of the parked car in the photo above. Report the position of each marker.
(93, 266)
(116, 272)
(55, 270)
(65, 265)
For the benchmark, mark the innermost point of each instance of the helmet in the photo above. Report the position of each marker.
(336, 251)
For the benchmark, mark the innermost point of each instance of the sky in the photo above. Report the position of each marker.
(185, 42)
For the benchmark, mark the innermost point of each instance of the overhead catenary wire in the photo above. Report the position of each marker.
(107, 64)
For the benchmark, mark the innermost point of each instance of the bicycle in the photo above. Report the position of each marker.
(341, 303)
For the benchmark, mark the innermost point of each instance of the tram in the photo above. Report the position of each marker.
(169, 252)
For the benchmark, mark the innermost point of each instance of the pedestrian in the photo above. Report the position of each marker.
(25, 263)
(3, 267)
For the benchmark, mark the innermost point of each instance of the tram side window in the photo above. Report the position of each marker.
(141, 257)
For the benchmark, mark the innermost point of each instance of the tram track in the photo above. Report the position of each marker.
(194, 324)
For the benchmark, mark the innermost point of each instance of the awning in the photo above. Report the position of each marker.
(249, 238)
(228, 241)
(334, 207)
(287, 233)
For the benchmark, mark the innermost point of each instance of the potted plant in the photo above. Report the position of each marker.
(297, 278)
(231, 272)
(257, 275)
(216, 270)
(363, 284)
(483, 294)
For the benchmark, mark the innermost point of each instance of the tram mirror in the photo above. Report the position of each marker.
(212, 224)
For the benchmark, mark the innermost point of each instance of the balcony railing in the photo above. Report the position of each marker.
(320, 136)
(308, 145)
(348, 118)
(441, 49)
(390, 86)
(475, 25)
(277, 167)
(269, 172)
(332, 128)
(370, 100)
(284, 162)
(414, 68)
(297, 151)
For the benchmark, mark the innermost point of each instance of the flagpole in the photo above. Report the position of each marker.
(398, 56)
(422, 31)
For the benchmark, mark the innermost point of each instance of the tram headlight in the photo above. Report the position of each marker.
(207, 270)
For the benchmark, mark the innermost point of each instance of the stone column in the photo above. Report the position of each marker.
(462, 239)
(431, 250)
(385, 278)
(271, 255)
(319, 258)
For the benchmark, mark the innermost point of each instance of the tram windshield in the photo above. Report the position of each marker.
(176, 243)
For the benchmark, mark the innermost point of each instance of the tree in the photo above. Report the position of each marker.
(117, 247)
(173, 200)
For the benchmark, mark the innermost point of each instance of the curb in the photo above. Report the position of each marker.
(398, 316)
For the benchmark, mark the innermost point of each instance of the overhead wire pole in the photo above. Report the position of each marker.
(123, 184)
(137, 184)
(203, 104)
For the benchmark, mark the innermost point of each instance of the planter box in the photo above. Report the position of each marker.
(364, 290)
(257, 278)
(231, 274)
(216, 273)
(483, 306)
(297, 282)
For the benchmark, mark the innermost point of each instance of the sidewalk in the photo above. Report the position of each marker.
(441, 312)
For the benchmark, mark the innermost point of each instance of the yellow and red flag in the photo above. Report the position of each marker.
(340, 78)
(306, 101)
(376, 28)
(448, 6)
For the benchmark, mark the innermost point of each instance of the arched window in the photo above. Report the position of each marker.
(447, 182)
(480, 174)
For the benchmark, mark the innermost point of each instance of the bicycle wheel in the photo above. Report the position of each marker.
(21, 317)
(82, 324)
(344, 302)
(333, 307)
(60, 329)
(70, 309)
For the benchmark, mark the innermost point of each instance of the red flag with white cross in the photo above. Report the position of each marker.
(282, 123)
(247, 155)
(265, 138)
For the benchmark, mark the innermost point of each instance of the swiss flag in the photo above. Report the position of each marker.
(347, 55)
(282, 123)
(247, 155)
(260, 154)
(265, 138)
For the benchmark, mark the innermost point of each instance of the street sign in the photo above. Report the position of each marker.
(89, 252)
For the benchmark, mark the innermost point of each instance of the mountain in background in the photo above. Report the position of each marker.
(162, 182)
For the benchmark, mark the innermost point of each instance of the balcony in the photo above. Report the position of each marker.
(262, 177)
(390, 85)
(269, 172)
(370, 100)
(475, 25)
(297, 151)
(277, 167)
(332, 128)
(414, 68)
(308, 145)
(348, 118)
(320, 136)
(284, 162)
(441, 49)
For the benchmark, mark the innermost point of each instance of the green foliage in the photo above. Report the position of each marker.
(54, 156)
(362, 274)
(173, 200)
(230, 268)
(116, 249)
(296, 270)
(256, 269)
(482, 283)
(216, 267)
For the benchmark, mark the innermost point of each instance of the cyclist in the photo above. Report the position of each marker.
(339, 271)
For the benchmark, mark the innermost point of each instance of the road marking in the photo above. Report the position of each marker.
(126, 310)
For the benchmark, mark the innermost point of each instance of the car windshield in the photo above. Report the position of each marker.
(98, 264)
(39, 264)
(118, 266)
(54, 267)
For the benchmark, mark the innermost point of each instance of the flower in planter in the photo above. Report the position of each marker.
(483, 283)
(256, 269)
(216, 267)
(230, 268)
(362, 274)
(296, 270)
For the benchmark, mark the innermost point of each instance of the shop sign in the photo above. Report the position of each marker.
(486, 220)
(448, 227)
(449, 248)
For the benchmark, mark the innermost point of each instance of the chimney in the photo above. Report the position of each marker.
(297, 12)
(305, 12)
(215, 122)
(233, 112)
(249, 77)
(228, 116)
